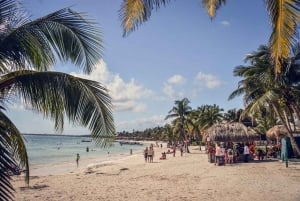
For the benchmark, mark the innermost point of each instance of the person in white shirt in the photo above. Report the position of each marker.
(246, 153)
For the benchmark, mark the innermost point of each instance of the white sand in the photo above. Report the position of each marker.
(187, 178)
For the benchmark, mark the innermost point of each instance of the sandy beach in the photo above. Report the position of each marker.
(186, 178)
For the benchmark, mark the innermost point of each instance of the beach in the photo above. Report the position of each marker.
(181, 178)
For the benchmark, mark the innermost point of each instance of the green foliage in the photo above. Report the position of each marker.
(28, 50)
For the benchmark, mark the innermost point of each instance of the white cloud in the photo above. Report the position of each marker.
(225, 23)
(173, 88)
(126, 96)
(171, 92)
(168, 90)
(176, 79)
(208, 80)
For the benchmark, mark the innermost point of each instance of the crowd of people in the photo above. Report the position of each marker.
(222, 154)
(149, 151)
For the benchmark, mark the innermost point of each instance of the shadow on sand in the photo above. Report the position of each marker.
(34, 187)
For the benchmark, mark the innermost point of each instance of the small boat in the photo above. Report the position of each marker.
(86, 140)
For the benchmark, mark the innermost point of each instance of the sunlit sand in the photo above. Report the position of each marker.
(186, 178)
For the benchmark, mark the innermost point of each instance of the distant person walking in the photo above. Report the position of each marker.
(77, 159)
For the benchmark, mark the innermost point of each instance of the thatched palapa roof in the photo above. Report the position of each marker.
(277, 131)
(232, 132)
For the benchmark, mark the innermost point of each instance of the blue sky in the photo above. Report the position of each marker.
(178, 53)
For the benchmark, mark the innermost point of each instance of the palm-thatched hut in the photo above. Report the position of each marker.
(232, 132)
(277, 131)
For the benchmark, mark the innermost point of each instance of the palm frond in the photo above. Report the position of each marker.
(135, 12)
(17, 144)
(6, 159)
(13, 154)
(63, 34)
(284, 17)
(212, 6)
(84, 102)
(8, 8)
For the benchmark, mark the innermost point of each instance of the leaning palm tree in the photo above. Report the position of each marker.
(28, 50)
(284, 17)
(260, 90)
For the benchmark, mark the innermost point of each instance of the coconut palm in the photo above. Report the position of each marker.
(261, 90)
(233, 115)
(265, 119)
(179, 113)
(209, 115)
(180, 110)
(28, 50)
(284, 17)
(168, 133)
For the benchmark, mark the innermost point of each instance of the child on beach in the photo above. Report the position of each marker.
(77, 159)
(230, 155)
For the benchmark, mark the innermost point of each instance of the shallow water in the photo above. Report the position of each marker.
(47, 149)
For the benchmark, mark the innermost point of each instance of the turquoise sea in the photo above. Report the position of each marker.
(47, 149)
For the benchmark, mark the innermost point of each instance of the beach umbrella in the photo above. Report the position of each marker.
(232, 132)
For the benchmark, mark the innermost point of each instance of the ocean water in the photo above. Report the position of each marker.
(47, 149)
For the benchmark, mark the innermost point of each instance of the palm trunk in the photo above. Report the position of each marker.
(285, 122)
(294, 144)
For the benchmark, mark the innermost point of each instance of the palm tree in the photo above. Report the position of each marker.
(209, 115)
(28, 50)
(265, 119)
(261, 90)
(284, 17)
(168, 133)
(180, 113)
(233, 115)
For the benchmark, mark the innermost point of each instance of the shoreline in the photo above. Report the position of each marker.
(65, 167)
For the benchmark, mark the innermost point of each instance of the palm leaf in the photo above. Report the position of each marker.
(13, 153)
(63, 34)
(84, 102)
(134, 12)
(284, 16)
(18, 148)
(212, 6)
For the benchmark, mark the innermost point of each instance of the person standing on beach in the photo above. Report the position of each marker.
(77, 159)
(146, 154)
(246, 153)
(151, 154)
(174, 150)
(217, 154)
(181, 150)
